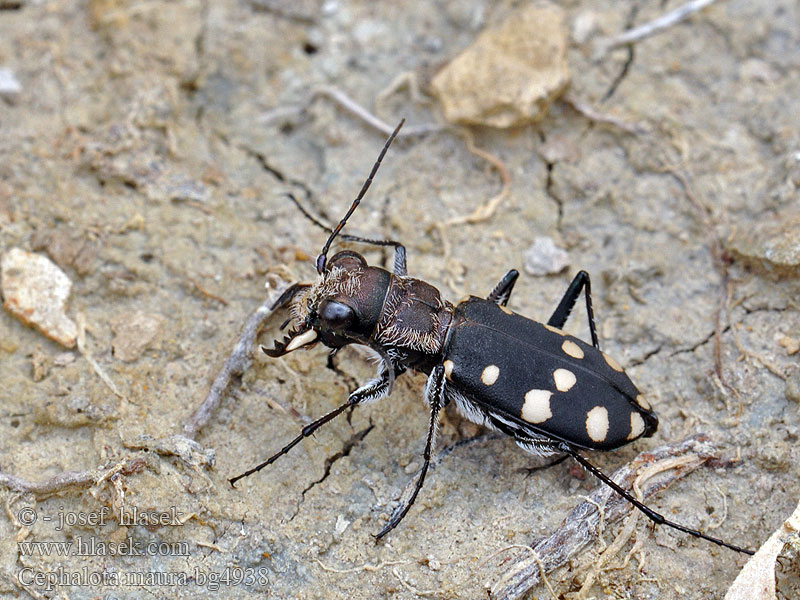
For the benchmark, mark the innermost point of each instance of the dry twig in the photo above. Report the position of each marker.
(666, 20)
(580, 527)
(482, 213)
(350, 105)
(69, 479)
(585, 109)
(240, 359)
(208, 294)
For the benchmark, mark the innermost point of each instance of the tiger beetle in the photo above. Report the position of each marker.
(552, 392)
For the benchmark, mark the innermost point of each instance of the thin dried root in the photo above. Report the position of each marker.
(364, 567)
(581, 525)
(69, 479)
(638, 33)
(593, 115)
(81, 321)
(487, 210)
(208, 294)
(350, 105)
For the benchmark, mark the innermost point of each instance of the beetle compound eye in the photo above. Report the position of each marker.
(335, 314)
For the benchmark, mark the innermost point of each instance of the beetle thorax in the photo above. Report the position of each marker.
(414, 323)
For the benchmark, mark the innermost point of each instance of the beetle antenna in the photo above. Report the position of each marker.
(328, 229)
(323, 256)
(307, 214)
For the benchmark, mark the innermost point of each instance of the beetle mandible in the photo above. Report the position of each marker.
(552, 392)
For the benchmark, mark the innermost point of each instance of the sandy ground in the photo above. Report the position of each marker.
(148, 154)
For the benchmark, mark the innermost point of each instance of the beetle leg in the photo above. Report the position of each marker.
(531, 470)
(580, 282)
(378, 387)
(399, 249)
(373, 390)
(657, 518)
(399, 259)
(306, 431)
(434, 394)
(502, 291)
(399, 267)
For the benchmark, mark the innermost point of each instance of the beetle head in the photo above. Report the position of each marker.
(342, 307)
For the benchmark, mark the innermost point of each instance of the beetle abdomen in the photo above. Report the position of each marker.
(543, 378)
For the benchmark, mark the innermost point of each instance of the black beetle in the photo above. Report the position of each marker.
(553, 393)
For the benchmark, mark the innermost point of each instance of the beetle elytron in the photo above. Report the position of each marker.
(553, 393)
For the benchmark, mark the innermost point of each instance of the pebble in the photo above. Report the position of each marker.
(10, 87)
(35, 291)
(585, 25)
(771, 244)
(543, 257)
(134, 332)
(793, 387)
(41, 363)
(341, 525)
(512, 72)
(62, 359)
(790, 344)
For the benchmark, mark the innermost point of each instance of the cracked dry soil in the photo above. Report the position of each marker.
(149, 153)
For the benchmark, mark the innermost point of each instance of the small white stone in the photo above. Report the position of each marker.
(10, 87)
(543, 257)
(341, 525)
(62, 359)
(584, 26)
(35, 291)
(134, 332)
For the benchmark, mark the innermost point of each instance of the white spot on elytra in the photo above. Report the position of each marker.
(637, 426)
(537, 406)
(612, 363)
(448, 368)
(597, 423)
(642, 401)
(564, 379)
(490, 374)
(572, 349)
